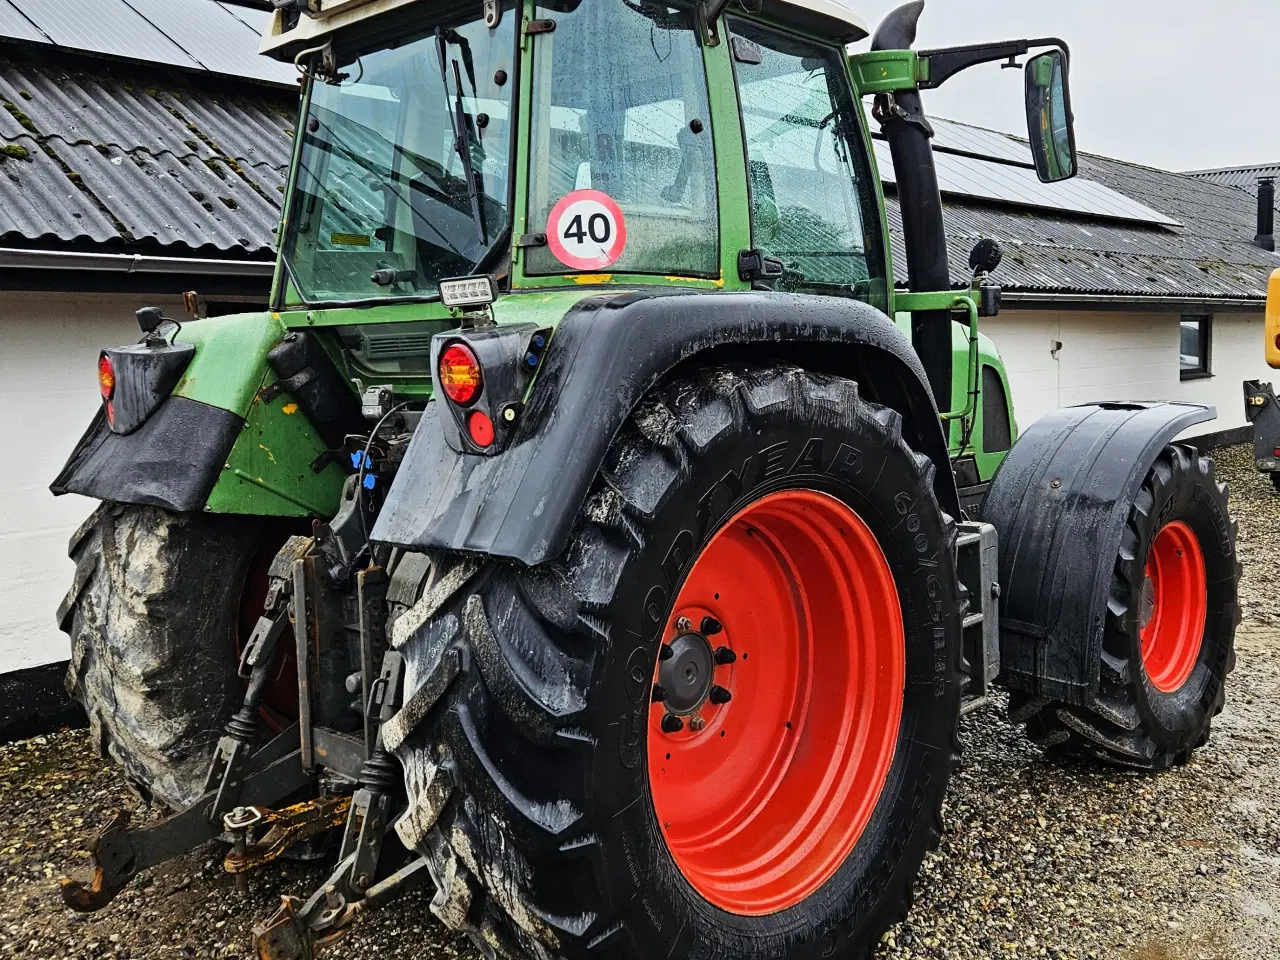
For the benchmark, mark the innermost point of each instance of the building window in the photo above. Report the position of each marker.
(1194, 351)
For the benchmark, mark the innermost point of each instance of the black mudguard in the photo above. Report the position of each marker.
(1263, 411)
(171, 461)
(1059, 502)
(607, 352)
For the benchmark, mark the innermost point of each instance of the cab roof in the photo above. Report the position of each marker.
(833, 18)
(828, 18)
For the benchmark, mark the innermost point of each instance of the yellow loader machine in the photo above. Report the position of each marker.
(1261, 408)
(593, 530)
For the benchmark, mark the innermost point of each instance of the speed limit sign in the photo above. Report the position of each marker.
(586, 230)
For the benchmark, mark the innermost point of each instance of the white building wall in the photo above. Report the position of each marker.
(49, 345)
(1124, 356)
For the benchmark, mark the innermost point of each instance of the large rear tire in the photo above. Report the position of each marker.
(153, 615)
(766, 511)
(1169, 640)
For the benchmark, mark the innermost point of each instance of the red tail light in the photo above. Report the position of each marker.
(481, 428)
(107, 385)
(106, 377)
(460, 375)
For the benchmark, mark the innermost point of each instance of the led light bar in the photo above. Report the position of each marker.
(467, 292)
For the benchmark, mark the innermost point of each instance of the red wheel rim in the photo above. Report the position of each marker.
(1175, 602)
(762, 805)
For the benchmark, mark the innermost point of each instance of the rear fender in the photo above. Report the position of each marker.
(213, 443)
(605, 354)
(1060, 502)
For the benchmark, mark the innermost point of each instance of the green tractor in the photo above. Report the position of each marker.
(592, 529)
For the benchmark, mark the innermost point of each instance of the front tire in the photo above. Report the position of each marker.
(1169, 641)
(152, 614)
(543, 784)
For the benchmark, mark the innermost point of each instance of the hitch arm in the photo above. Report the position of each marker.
(120, 854)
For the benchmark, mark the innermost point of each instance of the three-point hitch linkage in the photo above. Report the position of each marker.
(252, 794)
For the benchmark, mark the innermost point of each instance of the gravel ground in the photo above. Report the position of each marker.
(1039, 859)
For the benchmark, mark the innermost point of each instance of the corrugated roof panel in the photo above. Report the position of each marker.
(17, 27)
(1244, 178)
(241, 129)
(78, 108)
(987, 180)
(219, 40)
(179, 200)
(268, 179)
(104, 26)
(37, 200)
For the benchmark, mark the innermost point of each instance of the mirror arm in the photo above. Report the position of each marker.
(946, 62)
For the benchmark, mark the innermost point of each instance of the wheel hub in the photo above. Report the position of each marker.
(687, 674)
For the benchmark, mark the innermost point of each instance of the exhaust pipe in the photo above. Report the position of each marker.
(909, 134)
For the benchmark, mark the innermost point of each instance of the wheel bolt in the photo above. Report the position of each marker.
(684, 624)
(711, 626)
(720, 695)
(696, 723)
(659, 694)
(666, 652)
(672, 724)
(725, 656)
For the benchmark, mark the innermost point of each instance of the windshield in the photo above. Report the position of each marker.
(405, 166)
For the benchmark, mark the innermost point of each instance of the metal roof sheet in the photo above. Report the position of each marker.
(104, 26)
(961, 138)
(16, 26)
(125, 155)
(1006, 183)
(1044, 252)
(213, 36)
(202, 35)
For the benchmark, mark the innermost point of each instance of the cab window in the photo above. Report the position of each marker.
(813, 200)
(621, 128)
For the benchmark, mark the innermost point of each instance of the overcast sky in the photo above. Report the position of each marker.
(1164, 82)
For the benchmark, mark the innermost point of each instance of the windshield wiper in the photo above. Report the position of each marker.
(461, 134)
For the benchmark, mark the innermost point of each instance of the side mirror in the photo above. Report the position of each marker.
(1050, 124)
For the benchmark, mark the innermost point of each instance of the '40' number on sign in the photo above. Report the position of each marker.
(586, 230)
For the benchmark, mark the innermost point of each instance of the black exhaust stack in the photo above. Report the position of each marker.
(1266, 238)
(908, 132)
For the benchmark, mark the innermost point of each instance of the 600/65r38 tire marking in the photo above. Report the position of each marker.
(762, 803)
(536, 759)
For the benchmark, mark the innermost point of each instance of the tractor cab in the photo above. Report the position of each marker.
(575, 143)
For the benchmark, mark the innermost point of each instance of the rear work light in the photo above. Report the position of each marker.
(467, 292)
(460, 376)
